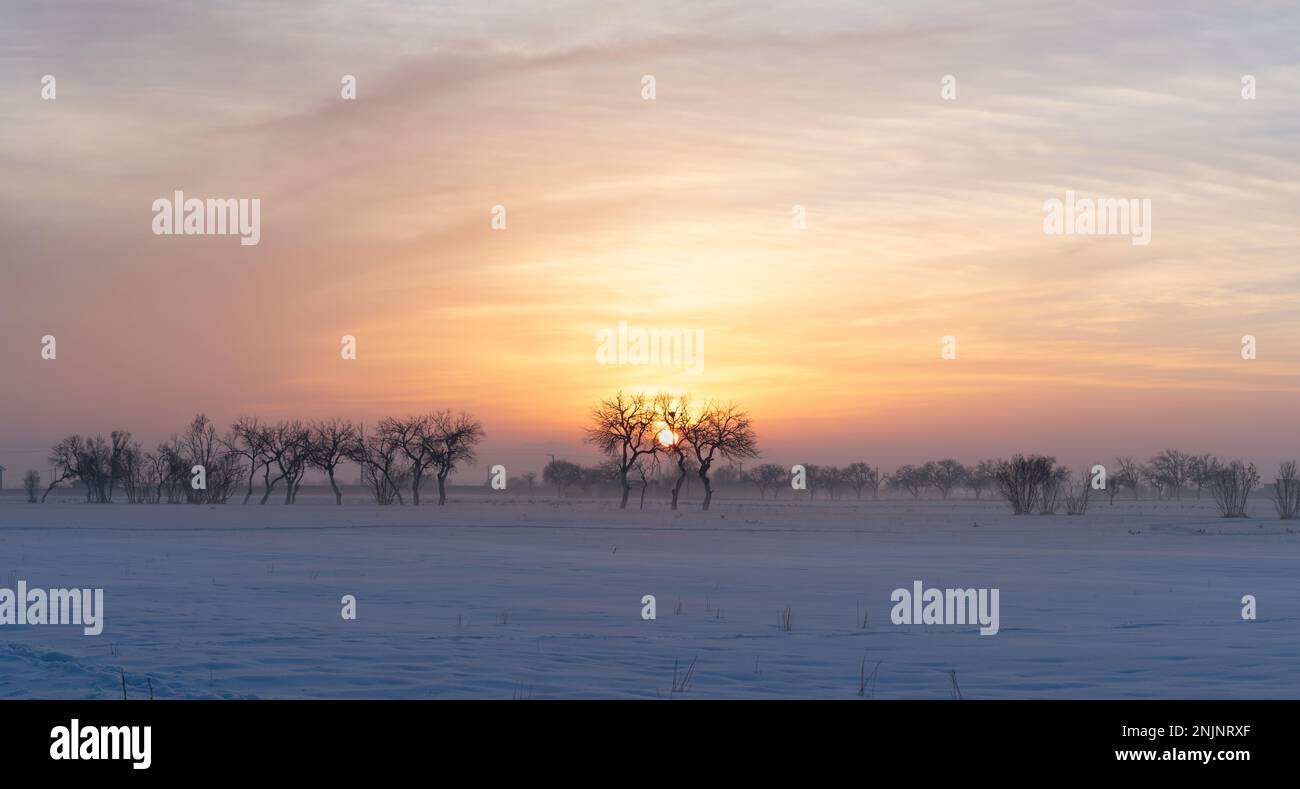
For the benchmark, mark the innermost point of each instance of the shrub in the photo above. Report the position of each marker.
(1231, 486)
(1286, 491)
(1077, 494)
(1021, 480)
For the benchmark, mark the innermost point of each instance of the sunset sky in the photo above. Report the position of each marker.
(924, 219)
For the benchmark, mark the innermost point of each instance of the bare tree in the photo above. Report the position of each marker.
(562, 474)
(1050, 494)
(94, 462)
(910, 478)
(945, 475)
(677, 418)
(285, 454)
(1231, 487)
(173, 471)
(812, 479)
(332, 442)
(452, 441)
(767, 476)
(63, 460)
(200, 446)
(831, 477)
(134, 467)
(32, 484)
(1129, 475)
(721, 432)
(1170, 470)
(1201, 471)
(381, 471)
(1286, 491)
(412, 435)
(981, 476)
(1021, 481)
(647, 469)
(622, 428)
(1077, 493)
(248, 439)
(859, 476)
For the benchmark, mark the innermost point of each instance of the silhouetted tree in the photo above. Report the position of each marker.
(1129, 474)
(622, 428)
(830, 477)
(1021, 480)
(1231, 486)
(812, 479)
(1171, 469)
(1201, 471)
(63, 460)
(1286, 491)
(980, 477)
(909, 478)
(677, 417)
(945, 475)
(721, 432)
(1077, 492)
(285, 452)
(381, 470)
(562, 475)
(860, 476)
(768, 476)
(332, 442)
(413, 435)
(452, 441)
(248, 439)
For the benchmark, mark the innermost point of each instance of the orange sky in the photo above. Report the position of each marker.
(924, 219)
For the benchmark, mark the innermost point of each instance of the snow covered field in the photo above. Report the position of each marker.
(541, 598)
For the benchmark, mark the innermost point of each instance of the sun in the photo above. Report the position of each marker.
(667, 437)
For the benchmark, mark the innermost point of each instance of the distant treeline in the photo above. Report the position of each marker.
(661, 442)
(201, 466)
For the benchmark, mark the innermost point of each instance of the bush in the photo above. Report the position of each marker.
(1049, 497)
(1231, 486)
(1077, 494)
(1286, 491)
(1022, 480)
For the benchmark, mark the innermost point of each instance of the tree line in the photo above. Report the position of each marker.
(642, 435)
(199, 465)
(659, 440)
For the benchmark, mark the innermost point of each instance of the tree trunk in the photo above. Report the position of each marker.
(627, 488)
(266, 480)
(681, 478)
(338, 494)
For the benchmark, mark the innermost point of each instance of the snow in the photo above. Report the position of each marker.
(499, 597)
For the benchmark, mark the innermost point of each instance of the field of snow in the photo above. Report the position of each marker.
(541, 598)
